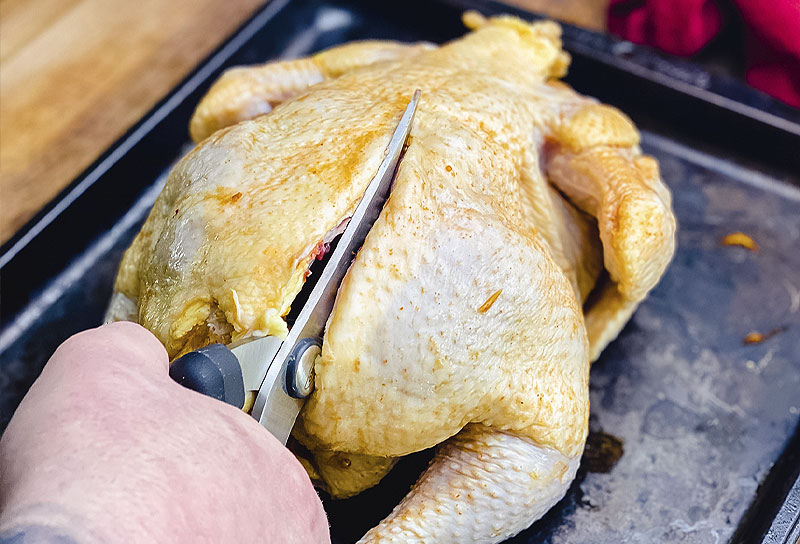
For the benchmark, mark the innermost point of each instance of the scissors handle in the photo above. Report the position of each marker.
(213, 371)
(217, 372)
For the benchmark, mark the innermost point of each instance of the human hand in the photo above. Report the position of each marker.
(105, 447)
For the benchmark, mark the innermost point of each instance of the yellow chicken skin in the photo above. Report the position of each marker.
(463, 320)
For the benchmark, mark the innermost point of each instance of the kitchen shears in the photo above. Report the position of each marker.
(282, 370)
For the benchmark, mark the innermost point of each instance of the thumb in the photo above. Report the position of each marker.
(122, 345)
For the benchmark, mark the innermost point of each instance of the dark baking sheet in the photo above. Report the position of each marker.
(693, 434)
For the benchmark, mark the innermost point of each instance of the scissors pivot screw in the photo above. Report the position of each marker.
(300, 368)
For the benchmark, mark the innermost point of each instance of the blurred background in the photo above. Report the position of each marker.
(76, 74)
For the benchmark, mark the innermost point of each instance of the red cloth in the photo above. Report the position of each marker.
(684, 27)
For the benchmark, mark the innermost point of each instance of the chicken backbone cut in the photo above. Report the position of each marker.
(523, 229)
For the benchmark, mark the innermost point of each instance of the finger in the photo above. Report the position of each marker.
(105, 410)
(123, 344)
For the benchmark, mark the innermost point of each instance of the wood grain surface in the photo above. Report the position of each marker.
(586, 13)
(76, 74)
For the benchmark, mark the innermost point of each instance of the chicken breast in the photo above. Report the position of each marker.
(523, 229)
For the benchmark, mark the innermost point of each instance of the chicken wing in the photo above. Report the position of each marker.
(461, 320)
(245, 93)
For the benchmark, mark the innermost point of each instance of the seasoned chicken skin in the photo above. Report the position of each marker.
(463, 320)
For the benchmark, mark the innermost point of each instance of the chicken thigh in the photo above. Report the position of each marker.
(523, 228)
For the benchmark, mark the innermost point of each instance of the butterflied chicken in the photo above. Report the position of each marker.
(523, 229)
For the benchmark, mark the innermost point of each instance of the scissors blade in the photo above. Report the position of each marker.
(275, 408)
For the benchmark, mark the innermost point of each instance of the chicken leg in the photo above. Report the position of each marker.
(481, 485)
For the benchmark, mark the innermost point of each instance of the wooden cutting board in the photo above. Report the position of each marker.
(76, 74)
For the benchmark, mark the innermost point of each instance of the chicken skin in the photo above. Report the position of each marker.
(523, 229)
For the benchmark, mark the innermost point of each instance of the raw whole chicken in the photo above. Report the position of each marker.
(523, 229)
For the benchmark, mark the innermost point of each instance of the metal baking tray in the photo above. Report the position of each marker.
(694, 435)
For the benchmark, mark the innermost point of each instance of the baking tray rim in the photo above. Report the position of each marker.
(203, 72)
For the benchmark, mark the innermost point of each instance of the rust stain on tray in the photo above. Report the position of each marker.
(602, 452)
